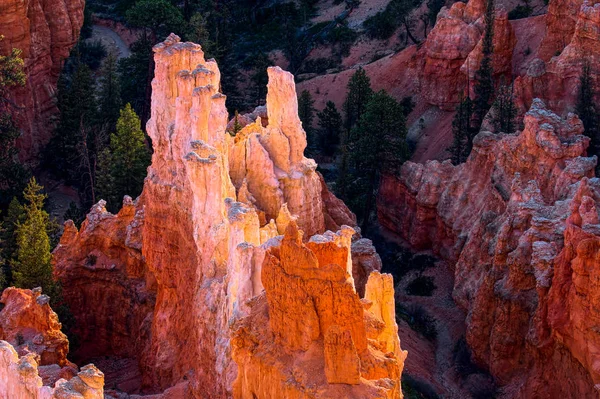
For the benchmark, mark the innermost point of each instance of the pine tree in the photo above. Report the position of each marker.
(306, 112)
(461, 129)
(359, 94)
(484, 81)
(505, 111)
(330, 128)
(32, 267)
(380, 148)
(128, 159)
(587, 111)
(109, 100)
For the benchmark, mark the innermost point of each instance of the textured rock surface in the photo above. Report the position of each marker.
(45, 31)
(557, 80)
(452, 52)
(184, 262)
(316, 321)
(33, 352)
(561, 20)
(519, 219)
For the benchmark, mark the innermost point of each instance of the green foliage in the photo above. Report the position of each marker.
(134, 77)
(75, 214)
(383, 24)
(380, 147)
(109, 96)
(484, 86)
(330, 129)
(125, 171)
(587, 110)
(237, 126)
(31, 267)
(160, 16)
(520, 12)
(461, 131)
(414, 388)
(90, 53)
(418, 319)
(421, 286)
(505, 111)
(306, 112)
(257, 64)
(11, 71)
(359, 94)
(433, 9)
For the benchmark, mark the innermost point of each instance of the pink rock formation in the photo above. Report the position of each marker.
(33, 352)
(453, 50)
(316, 321)
(519, 220)
(45, 31)
(557, 81)
(561, 20)
(183, 263)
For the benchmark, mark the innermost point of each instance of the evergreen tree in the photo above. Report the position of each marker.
(306, 112)
(380, 148)
(129, 158)
(505, 111)
(32, 267)
(159, 16)
(359, 94)
(13, 176)
(461, 129)
(237, 126)
(330, 128)
(110, 92)
(484, 82)
(135, 78)
(587, 110)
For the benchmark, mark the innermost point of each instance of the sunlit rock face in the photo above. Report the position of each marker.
(33, 352)
(183, 263)
(310, 326)
(452, 52)
(45, 31)
(556, 77)
(519, 219)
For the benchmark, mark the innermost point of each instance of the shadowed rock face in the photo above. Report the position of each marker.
(519, 219)
(45, 31)
(33, 352)
(181, 265)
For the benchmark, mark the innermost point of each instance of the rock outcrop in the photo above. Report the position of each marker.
(319, 333)
(183, 263)
(557, 80)
(561, 20)
(45, 31)
(453, 51)
(33, 352)
(519, 220)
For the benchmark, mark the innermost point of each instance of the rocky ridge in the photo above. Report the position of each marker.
(178, 270)
(519, 220)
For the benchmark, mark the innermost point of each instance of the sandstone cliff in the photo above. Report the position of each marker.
(520, 223)
(33, 353)
(45, 31)
(183, 263)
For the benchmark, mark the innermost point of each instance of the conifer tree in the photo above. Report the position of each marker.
(484, 81)
(306, 112)
(123, 170)
(380, 148)
(359, 94)
(505, 111)
(31, 267)
(587, 110)
(110, 92)
(330, 128)
(461, 129)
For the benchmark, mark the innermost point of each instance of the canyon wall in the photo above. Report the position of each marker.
(519, 220)
(45, 31)
(166, 279)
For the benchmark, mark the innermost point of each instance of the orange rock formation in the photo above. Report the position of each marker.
(183, 263)
(33, 352)
(45, 31)
(519, 221)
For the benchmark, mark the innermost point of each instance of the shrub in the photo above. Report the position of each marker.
(418, 319)
(520, 11)
(414, 388)
(381, 25)
(421, 286)
(91, 53)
